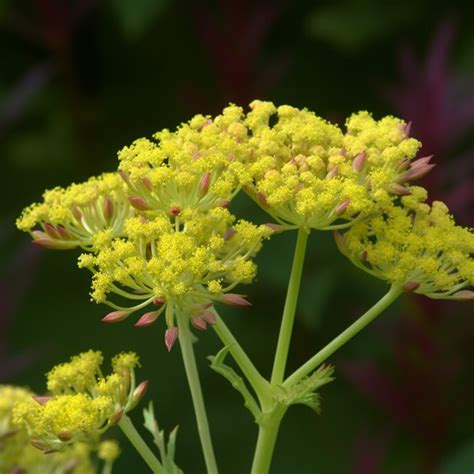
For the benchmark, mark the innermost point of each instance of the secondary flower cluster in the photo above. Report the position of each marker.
(159, 232)
(82, 403)
(17, 454)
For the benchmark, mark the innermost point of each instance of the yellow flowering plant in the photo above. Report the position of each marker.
(158, 237)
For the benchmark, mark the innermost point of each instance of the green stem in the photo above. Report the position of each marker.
(267, 435)
(258, 383)
(286, 327)
(344, 337)
(196, 393)
(142, 448)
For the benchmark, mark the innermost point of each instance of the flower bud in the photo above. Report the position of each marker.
(139, 203)
(233, 299)
(199, 323)
(116, 316)
(171, 335)
(147, 319)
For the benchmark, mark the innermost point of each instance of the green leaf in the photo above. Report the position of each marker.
(217, 364)
(461, 462)
(304, 392)
(136, 17)
(167, 452)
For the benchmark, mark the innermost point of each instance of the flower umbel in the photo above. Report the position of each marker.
(415, 246)
(86, 215)
(82, 403)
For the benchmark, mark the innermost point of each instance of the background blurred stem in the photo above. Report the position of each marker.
(196, 393)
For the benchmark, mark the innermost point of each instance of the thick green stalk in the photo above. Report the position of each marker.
(344, 337)
(289, 310)
(267, 435)
(142, 448)
(196, 393)
(258, 383)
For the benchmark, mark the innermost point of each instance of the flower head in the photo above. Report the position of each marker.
(86, 215)
(195, 167)
(82, 404)
(306, 173)
(415, 246)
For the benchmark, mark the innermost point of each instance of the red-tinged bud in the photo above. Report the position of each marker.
(159, 301)
(233, 299)
(42, 239)
(364, 256)
(262, 199)
(407, 130)
(108, 208)
(116, 316)
(276, 228)
(404, 164)
(339, 238)
(37, 443)
(140, 391)
(209, 317)
(463, 295)
(415, 173)
(333, 173)
(64, 436)
(359, 161)
(171, 335)
(204, 306)
(147, 183)
(147, 319)
(124, 176)
(342, 152)
(230, 233)
(204, 183)
(175, 211)
(342, 207)
(199, 323)
(399, 190)
(76, 213)
(42, 400)
(225, 203)
(116, 417)
(63, 233)
(50, 230)
(411, 286)
(139, 203)
(421, 162)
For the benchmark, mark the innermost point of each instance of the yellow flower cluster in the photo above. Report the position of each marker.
(180, 266)
(195, 167)
(82, 403)
(415, 246)
(306, 173)
(86, 215)
(17, 454)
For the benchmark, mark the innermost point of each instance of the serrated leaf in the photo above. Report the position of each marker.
(217, 364)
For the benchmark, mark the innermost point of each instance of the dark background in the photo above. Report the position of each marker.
(79, 80)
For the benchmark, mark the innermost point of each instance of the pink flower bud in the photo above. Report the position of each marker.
(63, 233)
(64, 436)
(359, 161)
(225, 203)
(342, 207)
(411, 286)
(399, 190)
(140, 391)
(147, 319)
(159, 301)
(209, 317)
(50, 230)
(199, 323)
(262, 199)
(171, 335)
(108, 208)
(116, 316)
(230, 233)
(76, 213)
(421, 161)
(42, 400)
(333, 173)
(37, 443)
(116, 417)
(124, 176)
(139, 203)
(147, 183)
(415, 173)
(276, 228)
(175, 211)
(463, 295)
(233, 299)
(204, 183)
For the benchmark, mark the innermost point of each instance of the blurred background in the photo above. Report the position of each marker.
(81, 79)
